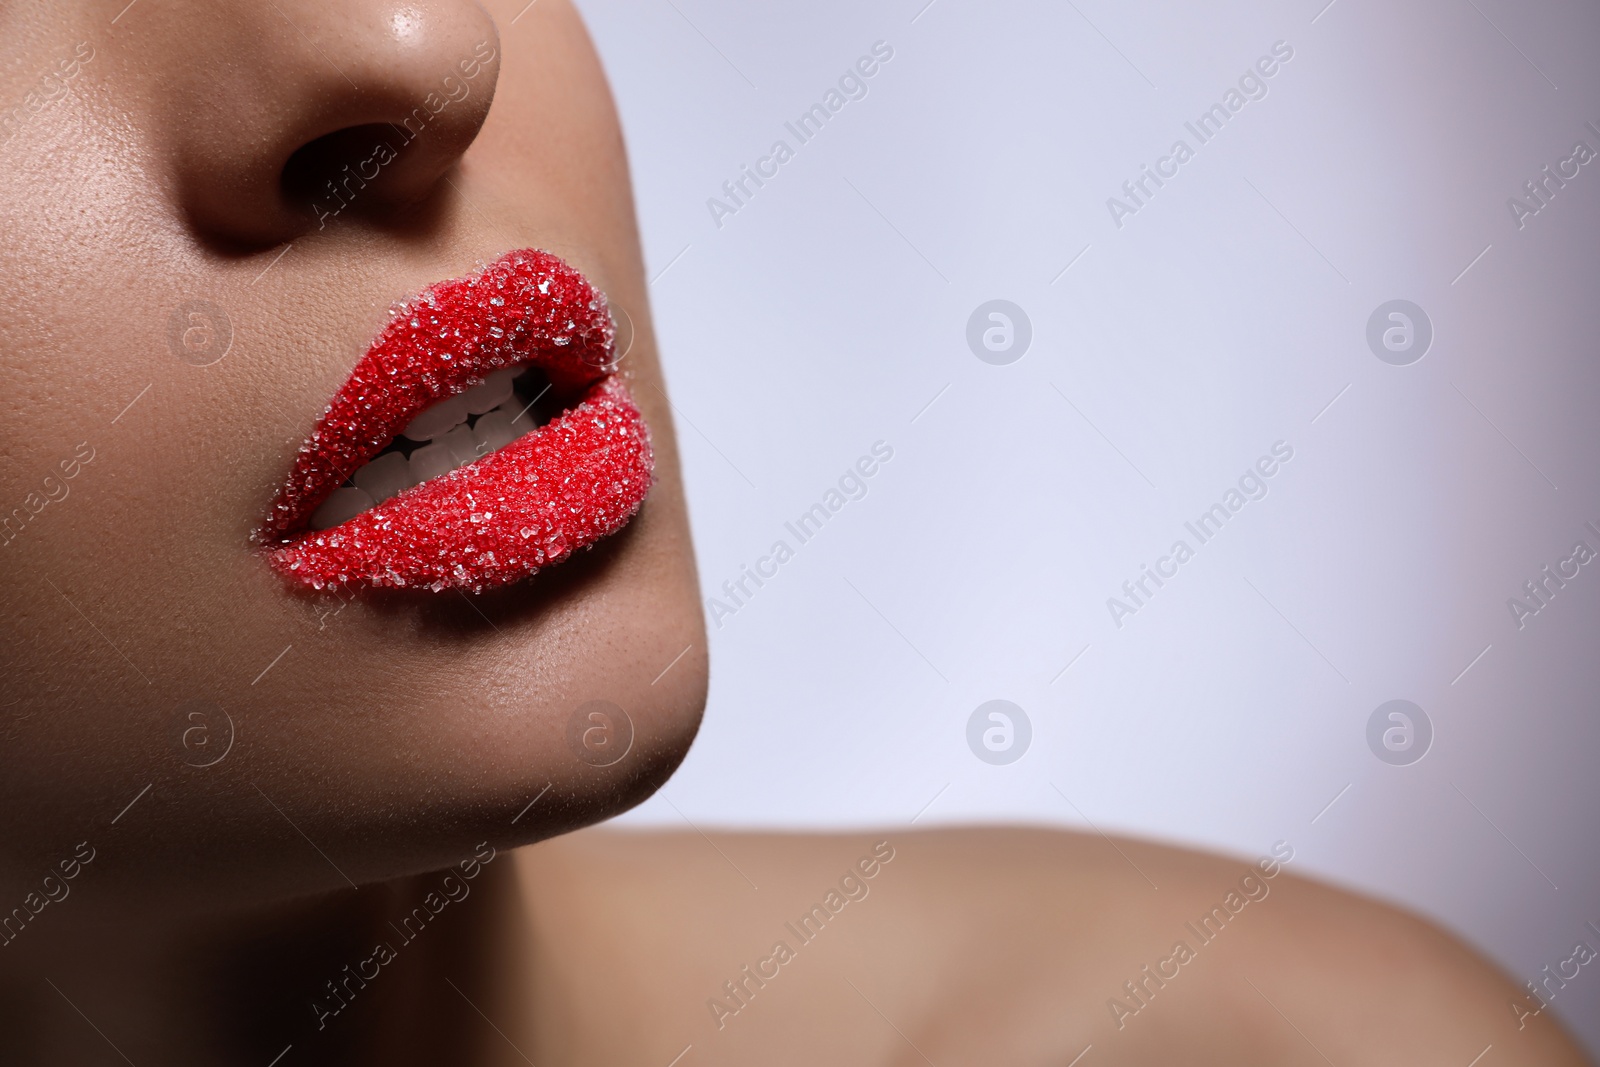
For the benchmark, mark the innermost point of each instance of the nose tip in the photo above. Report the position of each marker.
(312, 111)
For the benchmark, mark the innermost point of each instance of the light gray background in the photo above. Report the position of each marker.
(1223, 317)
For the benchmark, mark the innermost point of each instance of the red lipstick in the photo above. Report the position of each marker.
(522, 506)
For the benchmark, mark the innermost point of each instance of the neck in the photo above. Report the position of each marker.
(395, 973)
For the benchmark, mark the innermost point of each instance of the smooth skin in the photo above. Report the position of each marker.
(387, 759)
(988, 946)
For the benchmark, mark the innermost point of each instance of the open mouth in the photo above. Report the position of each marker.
(483, 436)
(445, 437)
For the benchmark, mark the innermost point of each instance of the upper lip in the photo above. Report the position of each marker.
(442, 341)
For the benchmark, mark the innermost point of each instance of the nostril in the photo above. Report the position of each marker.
(349, 108)
(341, 170)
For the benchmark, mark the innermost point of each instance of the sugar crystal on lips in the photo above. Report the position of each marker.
(536, 497)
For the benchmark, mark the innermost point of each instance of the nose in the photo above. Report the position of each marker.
(286, 116)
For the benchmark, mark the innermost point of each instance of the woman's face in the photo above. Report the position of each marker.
(191, 274)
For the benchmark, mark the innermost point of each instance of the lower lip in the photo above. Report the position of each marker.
(524, 507)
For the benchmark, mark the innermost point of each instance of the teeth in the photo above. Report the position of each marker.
(345, 503)
(462, 445)
(430, 461)
(439, 419)
(446, 443)
(520, 414)
(384, 476)
(493, 431)
(495, 390)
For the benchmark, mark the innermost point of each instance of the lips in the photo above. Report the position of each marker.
(502, 517)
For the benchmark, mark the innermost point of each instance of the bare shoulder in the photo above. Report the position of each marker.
(997, 945)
